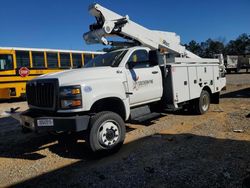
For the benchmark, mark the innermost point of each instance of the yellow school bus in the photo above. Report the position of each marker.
(18, 65)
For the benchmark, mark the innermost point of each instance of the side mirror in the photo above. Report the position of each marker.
(155, 58)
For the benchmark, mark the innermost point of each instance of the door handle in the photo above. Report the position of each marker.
(154, 72)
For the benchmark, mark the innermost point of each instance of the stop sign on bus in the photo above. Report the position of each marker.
(24, 71)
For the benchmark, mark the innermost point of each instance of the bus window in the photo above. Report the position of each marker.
(22, 59)
(77, 60)
(95, 55)
(38, 59)
(6, 62)
(87, 58)
(65, 60)
(52, 60)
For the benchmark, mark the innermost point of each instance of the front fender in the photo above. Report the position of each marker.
(93, 91)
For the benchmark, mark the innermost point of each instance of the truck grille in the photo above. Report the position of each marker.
(41, 94)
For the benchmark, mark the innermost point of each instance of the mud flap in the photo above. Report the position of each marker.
(215, 98)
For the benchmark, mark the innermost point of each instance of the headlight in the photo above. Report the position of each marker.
(66, 104)
(70, 97)
(70, 91)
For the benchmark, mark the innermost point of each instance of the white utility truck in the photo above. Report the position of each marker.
(151, 72)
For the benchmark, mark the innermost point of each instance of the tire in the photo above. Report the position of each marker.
(202, 104)
(106, 133)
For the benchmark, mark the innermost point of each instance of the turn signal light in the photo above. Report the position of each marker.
(76, 103)
(75, 91)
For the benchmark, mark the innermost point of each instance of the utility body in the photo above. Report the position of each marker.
(152, 74)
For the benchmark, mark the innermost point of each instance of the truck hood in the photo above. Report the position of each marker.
(75, 76)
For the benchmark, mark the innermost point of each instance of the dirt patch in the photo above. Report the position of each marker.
(176, 150)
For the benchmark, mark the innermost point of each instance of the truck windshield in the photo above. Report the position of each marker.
(6, 62)
(111, 59)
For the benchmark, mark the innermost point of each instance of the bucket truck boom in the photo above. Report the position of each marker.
(109, 23)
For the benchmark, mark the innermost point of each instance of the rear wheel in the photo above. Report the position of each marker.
(202, 104)
(106, 133)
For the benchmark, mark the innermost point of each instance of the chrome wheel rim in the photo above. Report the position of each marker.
(108, 133)
(205, 103)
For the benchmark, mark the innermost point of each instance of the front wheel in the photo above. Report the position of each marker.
(106, 133)
(202, 104)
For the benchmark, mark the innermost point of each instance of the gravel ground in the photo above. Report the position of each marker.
(238, 79)
(175, 150)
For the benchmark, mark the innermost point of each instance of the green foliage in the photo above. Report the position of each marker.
(194, 47)
(239, 46)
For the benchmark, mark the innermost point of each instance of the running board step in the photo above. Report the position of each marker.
(139, 111)
(147, 117)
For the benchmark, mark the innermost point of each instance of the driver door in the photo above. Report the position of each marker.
(144, 81)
